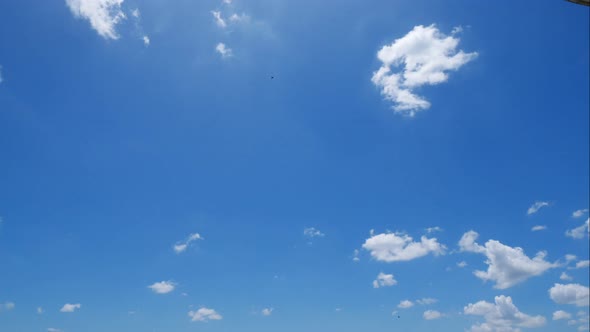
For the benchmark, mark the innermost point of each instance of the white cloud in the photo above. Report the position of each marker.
(225, 51)
(579, 232)
(162, 287)
(391, 247)
(180, 247)
(570, 294)
(538, 228)
(501, 316)
(431, 314)
(582, 264)
(433, 229)
(204, 315)
(312, 232)
(7, 306)
(51, 329)
(40, 310)
(136, 13)
(536, 207)
(579, 213)
(426, 301)
(570, 257)
(462, 264)
(103, 15)
(227, 2)
(384, 280)
(405, 304)
(355, 255)
(219, 19)
(560, 314)
(507, 266)
(424, 56)
(70, 307)
(146, 40)
(235, 18)
(456, 30)
(267, 311)
(565, 276)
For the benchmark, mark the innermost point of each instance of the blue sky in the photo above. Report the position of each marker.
(153, 177)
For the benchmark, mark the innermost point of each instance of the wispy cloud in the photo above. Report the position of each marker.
(312, 232)
(223, 50)
(536, 207)
(579, 232)
(579, 213)
(181, 247)
(538, 228)
(103, 15)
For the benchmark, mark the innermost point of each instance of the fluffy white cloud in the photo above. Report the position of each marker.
(538, 228)
(70, 307)
(162, 287)
(582, 264)
(223, 50)
(312, 232)
(431, 314)
(391, 247)
(180, 247)
(219, 19)
(501, 316)
(204, 315)
(579, 213)
(405, 304)
(424, 56)
(536, 207)
(146, 40)
(560, 314)
(565, 276)
(103, 15)
(426, 301)
(507, 266)
(579, 232)
(267, 311)
(570, 294)
(462, 264)
(384, 280)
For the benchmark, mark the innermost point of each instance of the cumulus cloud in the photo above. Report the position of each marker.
(538, 228)
(146, 40)
(180, 247)
(103, 15)
(431, 314)
(223, 50)
(501, 316)
(560, 314)
(267, 311)
(579, 213)
(582, 264)
(312, 232)
(424, 56)
(70, 307)
(162, 287)
(405, 304)
(507, 266)
(384, 280)
(395, 247)
(462, 264)
(579, 232)
(204, 315)
(575, 294)
(219, 19)
(565, 276)
(536, 207)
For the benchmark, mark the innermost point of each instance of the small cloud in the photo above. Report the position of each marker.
(1, 80)
(570, 257)
(536, 207)
(51, 329)
(433, 229)
(135, 13)
(40, 310)
(180, 247)
(405, 304)
(162, 287)
(579, 232)
(583, 264)
(70, 307)
(538, 228)
(235, 18)
(267, 311)
(312, 232)
(204, 315)
(565, 276)
(7, 306)
(384, 280)
(146, 40)
(355, 255)
(456, 30)
(426, 301)
(397, 247)
(579, 213)
(560, 314)
(219, 19)
(462, 264)
(228, 2)
(225, 51)
(431, 314)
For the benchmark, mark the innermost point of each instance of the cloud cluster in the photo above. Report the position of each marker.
(394, 247)
(180, 247)
(424, 56)
(204, 315)
(162, 287)
(502, 315)
(103, 15)
(507, 266)
(384, 280)
(574, 294)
